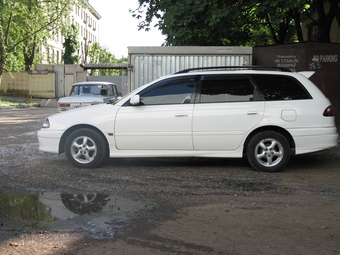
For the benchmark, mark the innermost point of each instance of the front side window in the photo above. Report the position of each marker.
(220, 90)
(174, 91)
(280, 87)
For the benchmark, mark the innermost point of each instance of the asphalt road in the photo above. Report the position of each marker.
(168, 205)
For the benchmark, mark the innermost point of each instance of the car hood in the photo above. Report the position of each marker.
(82, 98)
(95, 115)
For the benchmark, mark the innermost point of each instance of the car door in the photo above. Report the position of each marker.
(162, 121)
(226, 108)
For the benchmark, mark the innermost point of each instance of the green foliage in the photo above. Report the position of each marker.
(102, 55)
(18, 206)
(16, 103)
(280, 19)
(71, 45)
(202, 23)
(25, 25)
(227, 22)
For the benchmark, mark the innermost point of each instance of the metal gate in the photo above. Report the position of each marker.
(150, 63)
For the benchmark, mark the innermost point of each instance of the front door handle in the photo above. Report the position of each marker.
(181, 115)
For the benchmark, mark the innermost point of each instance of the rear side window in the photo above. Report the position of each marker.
(220, 90)
(75, 90)
(280, 87)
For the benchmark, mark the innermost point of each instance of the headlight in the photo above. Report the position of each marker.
(46, 124)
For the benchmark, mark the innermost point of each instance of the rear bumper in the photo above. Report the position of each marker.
(312, 140)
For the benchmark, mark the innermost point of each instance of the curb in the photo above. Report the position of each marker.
(51, 103)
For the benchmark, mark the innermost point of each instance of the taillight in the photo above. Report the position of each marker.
(64, 105)
(328, 112)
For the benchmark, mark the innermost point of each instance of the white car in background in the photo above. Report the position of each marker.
(263, 115)
(89, 93)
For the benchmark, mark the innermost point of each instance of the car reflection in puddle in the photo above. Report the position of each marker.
(96, 215)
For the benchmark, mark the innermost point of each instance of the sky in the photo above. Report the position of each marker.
(118, 29)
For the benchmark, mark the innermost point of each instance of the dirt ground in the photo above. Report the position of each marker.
(195, 205)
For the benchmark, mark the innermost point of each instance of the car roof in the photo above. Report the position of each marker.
(245, 70)
(233, 72)
(234, 68)
(93, 83)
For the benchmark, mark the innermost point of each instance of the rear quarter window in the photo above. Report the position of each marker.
(280, 87)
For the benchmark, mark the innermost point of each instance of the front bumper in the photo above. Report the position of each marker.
(49, 140)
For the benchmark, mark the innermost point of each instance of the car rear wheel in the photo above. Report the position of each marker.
(268, 151)
(85, 148)
(84, 203)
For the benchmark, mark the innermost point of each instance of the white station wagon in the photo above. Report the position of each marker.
(263, 115)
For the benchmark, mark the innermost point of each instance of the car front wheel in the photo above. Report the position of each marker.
(268, 151)
(85, 148)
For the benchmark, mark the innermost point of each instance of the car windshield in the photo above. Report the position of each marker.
(89, 89)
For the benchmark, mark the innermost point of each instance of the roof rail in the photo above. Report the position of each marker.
(282, 69)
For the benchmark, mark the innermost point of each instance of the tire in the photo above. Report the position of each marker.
(86, 148)
(84, 203)
(268, 151)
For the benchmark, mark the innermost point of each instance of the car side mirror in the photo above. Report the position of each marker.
(135, 100)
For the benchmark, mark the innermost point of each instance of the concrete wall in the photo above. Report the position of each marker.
(66, 75)
(36, 84)
(322, 58)
(52, 81)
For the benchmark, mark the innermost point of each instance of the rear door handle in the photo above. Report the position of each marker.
(252, 113)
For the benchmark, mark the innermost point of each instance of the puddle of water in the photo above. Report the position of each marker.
(97, 215)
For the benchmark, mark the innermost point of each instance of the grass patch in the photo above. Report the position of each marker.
(16, 103)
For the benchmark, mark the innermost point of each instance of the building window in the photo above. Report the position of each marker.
(314, 32)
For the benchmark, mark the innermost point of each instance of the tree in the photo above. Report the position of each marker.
(194, 22)
(25, 24)
(226, 22)
(325, 18)
(28, 17)
(282, 19)
(71, 45)
(102, 55)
